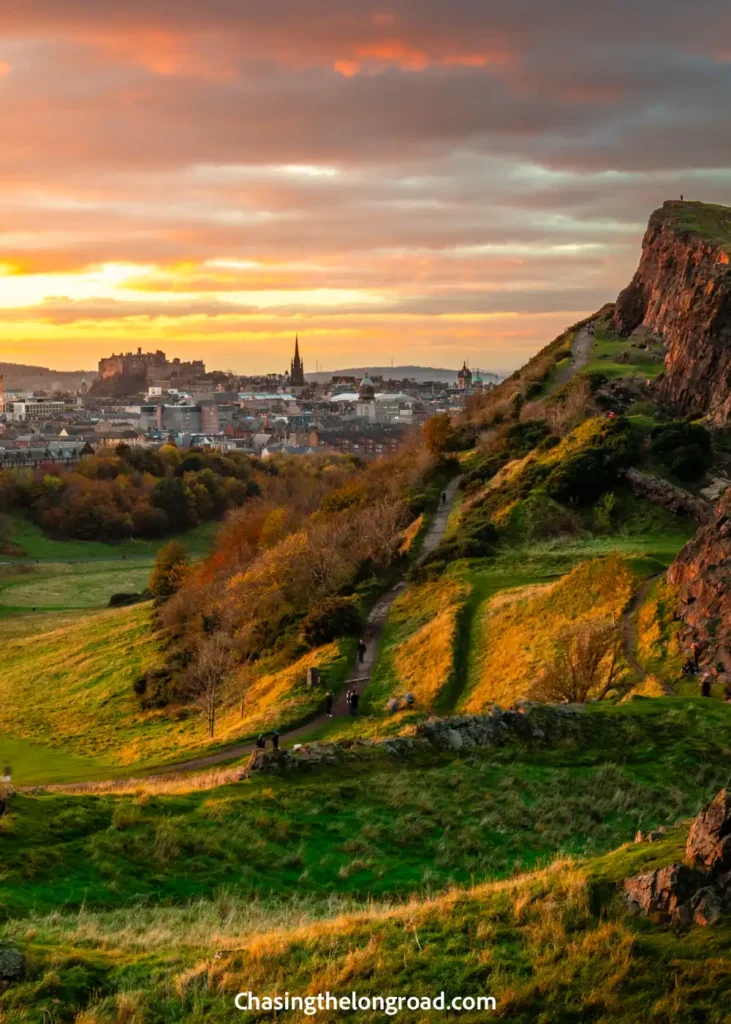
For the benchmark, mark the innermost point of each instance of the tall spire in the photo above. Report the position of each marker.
(297, 368)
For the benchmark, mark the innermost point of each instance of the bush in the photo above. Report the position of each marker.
(682, 447)
(523, 437)
(330, 619)
(579, 480)
(171, 568)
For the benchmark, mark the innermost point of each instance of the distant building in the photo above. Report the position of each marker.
(464, 378)
(32, 409)
(297, 368)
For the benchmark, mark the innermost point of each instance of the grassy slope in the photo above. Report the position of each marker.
(517, 636)
(551, 943)
(705, 220)
(71, 690)
(36, 544)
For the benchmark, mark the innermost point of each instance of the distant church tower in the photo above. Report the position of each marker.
(297, 370)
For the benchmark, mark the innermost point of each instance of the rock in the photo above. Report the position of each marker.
(12, 965)
(709, 840)
(682, 293)
(701, 574)
(707, 906)
(661, 492)
(665, 892)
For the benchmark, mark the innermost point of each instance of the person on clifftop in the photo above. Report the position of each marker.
(275, 739)
(329, 705)
(361, 650)
(261, 743)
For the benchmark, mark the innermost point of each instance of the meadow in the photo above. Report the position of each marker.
(492, 871)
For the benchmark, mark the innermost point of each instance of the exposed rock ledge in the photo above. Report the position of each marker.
(526, 721)
(666, 494)
(699, 891)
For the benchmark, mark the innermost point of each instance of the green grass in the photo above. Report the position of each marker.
(33, 764)
(120, 902)
(706, 220)
(34, 543)
(66, 586)
(607, 347)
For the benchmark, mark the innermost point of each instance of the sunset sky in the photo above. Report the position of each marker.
(426, 180)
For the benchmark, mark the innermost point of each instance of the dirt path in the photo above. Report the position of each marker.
(580, 348)
(629, 631)
(362, 671)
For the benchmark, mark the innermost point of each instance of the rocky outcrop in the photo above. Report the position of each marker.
(696, 892)
(682, 293)
(702, 574)
(525, 722)
(666, 494)
(709, 841)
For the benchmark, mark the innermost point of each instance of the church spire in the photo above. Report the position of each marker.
(297, 368)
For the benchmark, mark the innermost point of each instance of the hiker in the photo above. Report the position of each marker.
(275, 739)
(329, 705)
(444, 497)
(354, 698)
(688, 668)
(261, 743)
(695, 648)
(705, 686)
(348, 699)
(361, 650)
(681, 197)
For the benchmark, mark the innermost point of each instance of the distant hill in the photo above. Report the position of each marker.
(17, 376)
(418, 373)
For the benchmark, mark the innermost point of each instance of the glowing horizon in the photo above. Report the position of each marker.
(395, 182)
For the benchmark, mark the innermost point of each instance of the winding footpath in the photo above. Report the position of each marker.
(362, 671)
(580, 349)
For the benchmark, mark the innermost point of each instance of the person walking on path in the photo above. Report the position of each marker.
(348, 699)
(361, 650)
(444, 497)
(354, 698)
(329, 705)
(275, 739)
(261, 743)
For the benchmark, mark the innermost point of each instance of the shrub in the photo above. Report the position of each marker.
(330, 619)
(579, 480)
(168, 575)
(683, 447)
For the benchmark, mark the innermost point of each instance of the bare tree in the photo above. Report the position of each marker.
(208, 674)
(585, 664)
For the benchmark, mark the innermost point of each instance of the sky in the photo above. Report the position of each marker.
(419, 181)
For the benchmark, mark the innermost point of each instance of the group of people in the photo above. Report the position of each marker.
(262, 742)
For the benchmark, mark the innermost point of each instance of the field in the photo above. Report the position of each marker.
(396, 876)
(70, 690)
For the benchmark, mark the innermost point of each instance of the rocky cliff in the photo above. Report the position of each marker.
(682, 293)
(702, 572)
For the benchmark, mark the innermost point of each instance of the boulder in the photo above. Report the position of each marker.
(665, 893)
(12, 965)
(709, 840)
(707, 906)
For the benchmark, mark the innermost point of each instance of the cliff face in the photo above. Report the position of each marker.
(702, 572)
(682, 293)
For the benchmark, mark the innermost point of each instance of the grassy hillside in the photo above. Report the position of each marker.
(166, 881)
(418, 652)
(70, 690)
(519, 629)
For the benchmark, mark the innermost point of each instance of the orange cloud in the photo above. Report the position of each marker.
(397, 53)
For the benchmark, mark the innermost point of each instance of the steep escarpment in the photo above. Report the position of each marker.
(702, 573)
(682, 292)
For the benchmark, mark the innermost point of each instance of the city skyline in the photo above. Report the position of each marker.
(413, 181)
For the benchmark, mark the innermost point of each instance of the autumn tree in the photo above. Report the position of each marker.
(585, 664)
(208, 675)
(439, 434)
(169, 572)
